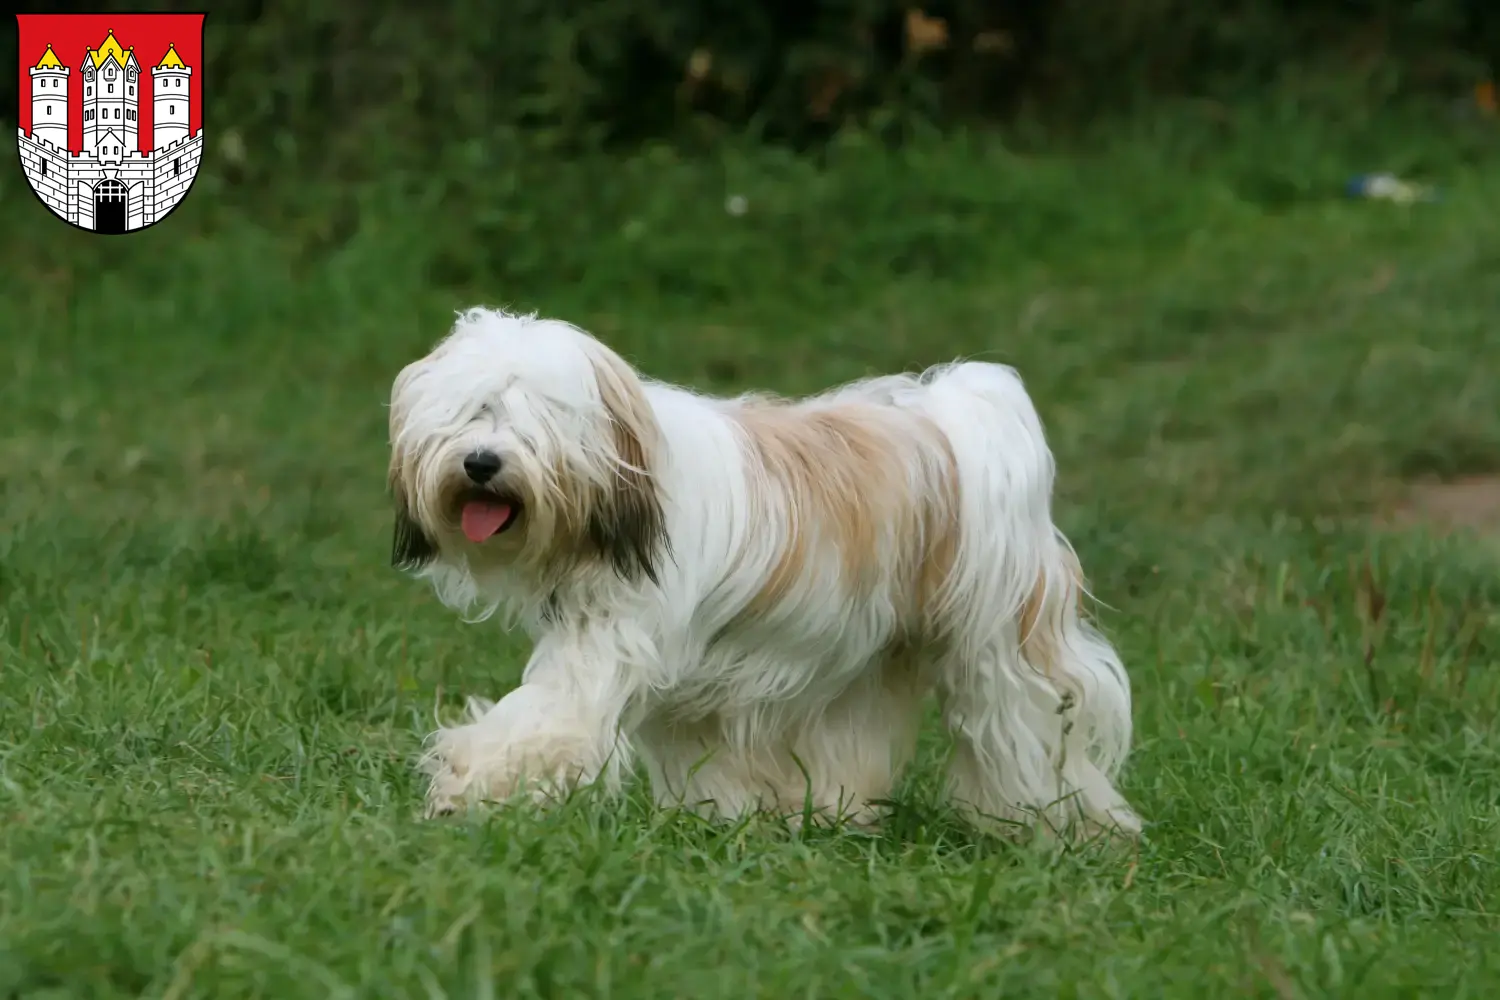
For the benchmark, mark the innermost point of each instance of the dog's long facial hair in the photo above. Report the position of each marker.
(580, 479)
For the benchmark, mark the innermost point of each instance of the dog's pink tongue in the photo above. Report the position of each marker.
(481, 519)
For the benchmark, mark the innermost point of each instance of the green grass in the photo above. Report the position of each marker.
(212, 686)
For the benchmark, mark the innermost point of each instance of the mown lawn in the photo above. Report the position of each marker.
(212, 686)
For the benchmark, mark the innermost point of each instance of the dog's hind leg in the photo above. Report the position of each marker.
(838, 763)
(1037, 701)
(1039, 708)
(855, 750)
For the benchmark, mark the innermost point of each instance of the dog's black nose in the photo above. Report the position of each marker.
(481, 466)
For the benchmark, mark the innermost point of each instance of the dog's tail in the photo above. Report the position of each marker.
(1014, 603)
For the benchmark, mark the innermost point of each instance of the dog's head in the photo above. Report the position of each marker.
(524, 444)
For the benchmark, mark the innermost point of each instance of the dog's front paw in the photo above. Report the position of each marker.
(450, 777)
(470, 764)
(448, 791)
(449, 762)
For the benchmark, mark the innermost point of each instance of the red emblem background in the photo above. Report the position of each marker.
(72, 35)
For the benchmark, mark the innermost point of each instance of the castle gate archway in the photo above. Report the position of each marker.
(109, 206)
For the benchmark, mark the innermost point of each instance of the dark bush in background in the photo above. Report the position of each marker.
(319, 80)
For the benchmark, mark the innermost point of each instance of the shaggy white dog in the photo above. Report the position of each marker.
(751, 596)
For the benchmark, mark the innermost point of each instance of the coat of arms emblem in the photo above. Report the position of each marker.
(111, 119)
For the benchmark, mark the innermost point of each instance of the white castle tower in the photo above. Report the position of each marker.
(169, 88)
(111, 100)
(49, 100)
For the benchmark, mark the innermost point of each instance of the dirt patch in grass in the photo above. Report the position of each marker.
(1471, 504)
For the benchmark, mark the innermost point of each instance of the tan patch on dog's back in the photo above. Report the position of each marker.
(876, 484)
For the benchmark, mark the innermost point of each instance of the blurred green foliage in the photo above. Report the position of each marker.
(319, 81)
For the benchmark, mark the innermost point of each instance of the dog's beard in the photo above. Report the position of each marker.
(481, 515)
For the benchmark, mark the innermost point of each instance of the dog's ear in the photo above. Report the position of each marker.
(411, 548)
(626, 524)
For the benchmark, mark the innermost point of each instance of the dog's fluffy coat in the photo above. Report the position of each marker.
(751, 596)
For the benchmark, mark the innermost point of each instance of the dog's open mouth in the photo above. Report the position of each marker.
(483, 516)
